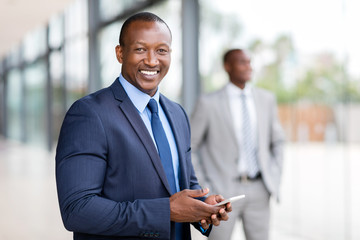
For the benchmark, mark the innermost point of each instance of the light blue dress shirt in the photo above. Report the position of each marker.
(140, 101)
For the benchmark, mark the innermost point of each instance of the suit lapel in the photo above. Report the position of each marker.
(139, 127)
(175, 127)
(224, 108)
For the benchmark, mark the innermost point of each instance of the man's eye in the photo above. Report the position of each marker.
(162, 50)
(140, 50)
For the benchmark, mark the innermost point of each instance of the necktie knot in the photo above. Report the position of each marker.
(243, 96)
(153, 106)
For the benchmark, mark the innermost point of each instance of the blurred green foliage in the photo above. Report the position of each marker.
(322, 78)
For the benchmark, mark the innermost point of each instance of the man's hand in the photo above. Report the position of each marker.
(185, 208)
(221, 215)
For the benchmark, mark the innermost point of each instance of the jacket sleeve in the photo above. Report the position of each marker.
(81, 164)
(277, 138)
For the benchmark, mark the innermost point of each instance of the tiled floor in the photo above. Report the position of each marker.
(320, 195)
(28, 201)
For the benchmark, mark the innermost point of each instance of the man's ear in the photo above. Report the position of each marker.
(227, 67)
(118, 51)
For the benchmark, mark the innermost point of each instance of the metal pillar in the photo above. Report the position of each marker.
(49, 97)
(94, 58)
(2, 98)
(190, 53)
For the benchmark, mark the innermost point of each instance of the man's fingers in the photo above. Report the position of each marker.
(223, 215)
(198, 192)
(219, 198)
(228, 207)
(204, 224)
(214, 219)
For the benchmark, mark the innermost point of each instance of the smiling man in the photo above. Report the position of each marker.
(123, 160)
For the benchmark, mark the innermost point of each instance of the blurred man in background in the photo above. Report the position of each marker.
(239, 142)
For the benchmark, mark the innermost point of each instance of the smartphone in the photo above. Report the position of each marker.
(232, 199)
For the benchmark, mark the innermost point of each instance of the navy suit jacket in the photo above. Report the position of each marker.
(110, 180)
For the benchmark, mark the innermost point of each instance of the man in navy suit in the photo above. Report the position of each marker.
(110, 179)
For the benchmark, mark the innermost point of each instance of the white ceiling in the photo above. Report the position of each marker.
(19, 17)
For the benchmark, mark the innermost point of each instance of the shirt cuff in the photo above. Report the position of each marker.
(202, 229)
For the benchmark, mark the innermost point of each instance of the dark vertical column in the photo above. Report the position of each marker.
(94, 62)
(49, 96)
(190, 53)
(2, 99)
(23, 97)
(64, 75)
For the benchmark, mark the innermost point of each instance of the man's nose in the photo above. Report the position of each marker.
(151, 59)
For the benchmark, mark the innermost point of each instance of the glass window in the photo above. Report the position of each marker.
(76, 69)
(76, 19)
(13, 104)
(35, 44)
(58, 94)
(56, 33)
(76, 51)
(35, 103)
(109, 9)
(109, 65)
(13, 59)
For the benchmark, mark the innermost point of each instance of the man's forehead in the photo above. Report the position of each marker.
(137, 32)
(239, 54)
(140, 25)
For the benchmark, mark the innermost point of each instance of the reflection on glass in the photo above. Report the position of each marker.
(109, 66)
(35, 44)
(76, 19)
(35, 103)
(58, 84)
(76, 66)
(112, 8)
(13, 100)
(13, 58)
(56, 31)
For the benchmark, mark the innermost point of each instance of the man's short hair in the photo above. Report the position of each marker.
(142, 16)
(229, 53)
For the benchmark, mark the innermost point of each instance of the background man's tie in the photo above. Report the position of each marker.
(248, 139)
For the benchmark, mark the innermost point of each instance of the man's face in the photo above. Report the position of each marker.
(238, 67)
(146, 55)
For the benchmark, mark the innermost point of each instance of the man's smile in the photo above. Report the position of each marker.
(149, 72)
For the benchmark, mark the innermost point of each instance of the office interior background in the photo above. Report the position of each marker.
(307, 52)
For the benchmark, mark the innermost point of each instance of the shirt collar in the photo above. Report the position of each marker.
(233, 90)
(138, 98)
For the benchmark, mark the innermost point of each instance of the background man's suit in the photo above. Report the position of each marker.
(116, 174)
(213, 137)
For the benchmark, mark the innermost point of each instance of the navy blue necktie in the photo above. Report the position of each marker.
(165, 154)
(162, 144)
